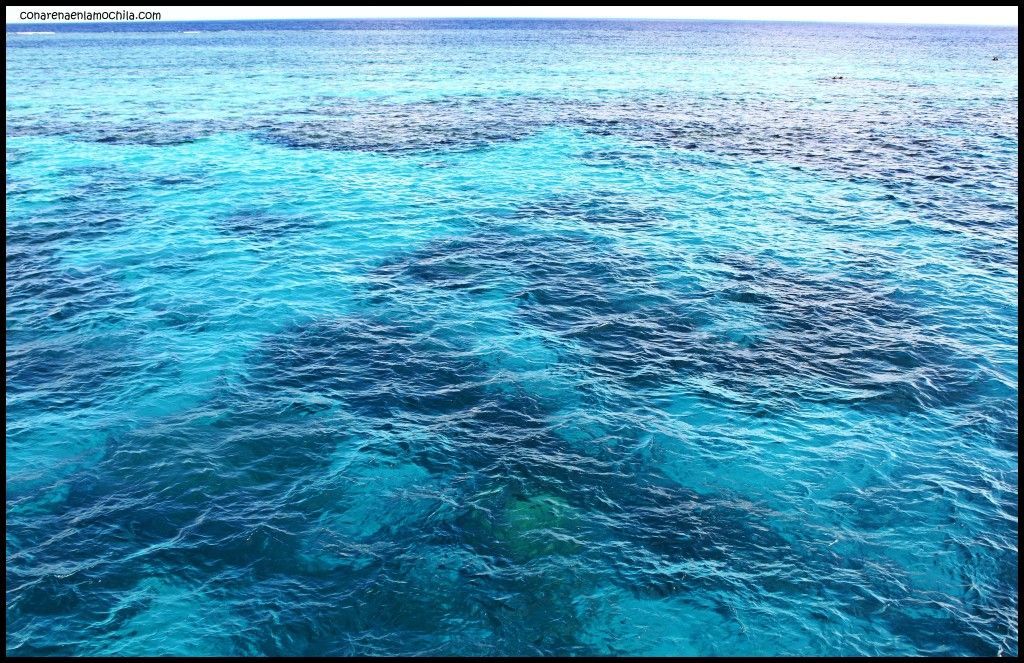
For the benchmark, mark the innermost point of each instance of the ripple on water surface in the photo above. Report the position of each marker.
(564, 343)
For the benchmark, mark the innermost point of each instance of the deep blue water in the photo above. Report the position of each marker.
(511, 337)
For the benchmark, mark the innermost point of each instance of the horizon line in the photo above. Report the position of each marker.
(513, 18)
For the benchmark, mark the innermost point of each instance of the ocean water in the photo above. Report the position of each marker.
(511, 337)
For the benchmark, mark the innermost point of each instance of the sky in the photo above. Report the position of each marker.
(985, 15)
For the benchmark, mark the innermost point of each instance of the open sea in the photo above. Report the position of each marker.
(511, 338)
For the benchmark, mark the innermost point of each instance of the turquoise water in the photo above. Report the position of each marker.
(469, 337)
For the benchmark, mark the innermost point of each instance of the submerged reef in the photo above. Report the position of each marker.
(516, 338)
